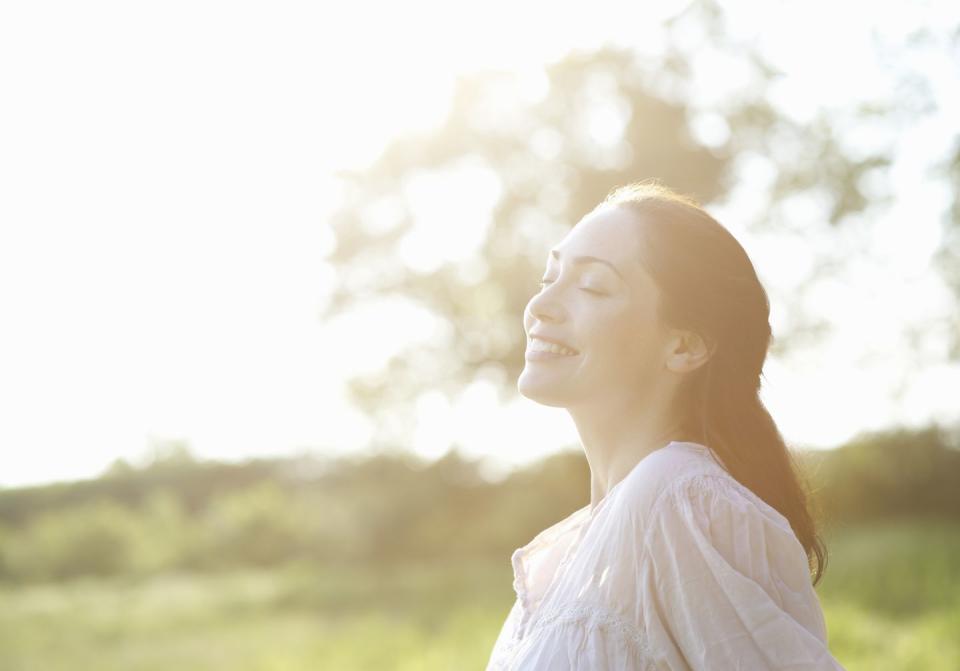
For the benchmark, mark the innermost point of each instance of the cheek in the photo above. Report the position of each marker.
(617, 329)
(626, 340)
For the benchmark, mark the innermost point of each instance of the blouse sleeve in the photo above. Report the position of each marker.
(726, 584)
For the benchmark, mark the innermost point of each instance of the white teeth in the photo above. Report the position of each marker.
(538, 345)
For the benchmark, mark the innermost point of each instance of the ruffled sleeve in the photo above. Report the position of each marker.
(725, 584)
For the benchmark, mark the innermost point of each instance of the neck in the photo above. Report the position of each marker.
(615, 439)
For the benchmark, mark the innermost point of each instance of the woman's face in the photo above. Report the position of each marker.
(605, 309)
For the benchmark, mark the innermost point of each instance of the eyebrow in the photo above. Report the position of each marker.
(579, 260)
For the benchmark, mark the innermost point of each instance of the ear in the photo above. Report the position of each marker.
(687, 351)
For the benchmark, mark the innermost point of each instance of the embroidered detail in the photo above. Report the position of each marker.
(685, 491)
(719, 485)
(591, 616)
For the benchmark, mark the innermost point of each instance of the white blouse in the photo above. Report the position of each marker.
(678, 567)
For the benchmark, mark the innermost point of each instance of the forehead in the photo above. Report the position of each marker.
(610, 233)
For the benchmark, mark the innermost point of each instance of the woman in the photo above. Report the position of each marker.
(696, 550)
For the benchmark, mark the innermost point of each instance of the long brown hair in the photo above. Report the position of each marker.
(709, 285)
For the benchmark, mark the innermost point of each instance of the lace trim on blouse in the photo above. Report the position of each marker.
(591, 616)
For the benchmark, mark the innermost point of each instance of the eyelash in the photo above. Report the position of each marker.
(542, 284)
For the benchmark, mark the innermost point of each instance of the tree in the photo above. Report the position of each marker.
(517, 162)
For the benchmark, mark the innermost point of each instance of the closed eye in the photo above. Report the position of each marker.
(544, 283)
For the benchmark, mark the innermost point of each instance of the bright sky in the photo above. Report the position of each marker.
(165, 171)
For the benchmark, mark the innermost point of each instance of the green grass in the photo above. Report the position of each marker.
(891, 597)
(412, 619)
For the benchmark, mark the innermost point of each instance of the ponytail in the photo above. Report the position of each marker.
(710, 286)
(746, 439)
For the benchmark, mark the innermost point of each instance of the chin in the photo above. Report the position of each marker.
(544, 394)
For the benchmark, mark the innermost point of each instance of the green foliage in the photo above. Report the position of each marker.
(166, 536)
(547, 172)
(891, 595)
(99, 538)
(900, 568)
(392, 508)
(171, 469)
(259, 526)
(900, 473)
(436, 616)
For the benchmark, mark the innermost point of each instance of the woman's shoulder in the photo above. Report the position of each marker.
(691, 476)
(664, 469)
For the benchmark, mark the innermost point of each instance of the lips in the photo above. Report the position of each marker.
(555, 341)
(539, 349)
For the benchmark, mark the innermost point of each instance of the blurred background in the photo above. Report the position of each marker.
(262, 276)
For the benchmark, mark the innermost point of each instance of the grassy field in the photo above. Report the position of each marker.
(891, 597)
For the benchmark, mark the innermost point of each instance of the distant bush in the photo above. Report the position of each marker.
(389, 508)
(259, 526)
(889, 475)
(98, 538)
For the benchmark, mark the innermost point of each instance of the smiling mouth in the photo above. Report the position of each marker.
(534, 355)
(542, 351)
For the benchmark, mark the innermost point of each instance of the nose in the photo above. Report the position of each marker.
(545, 308)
